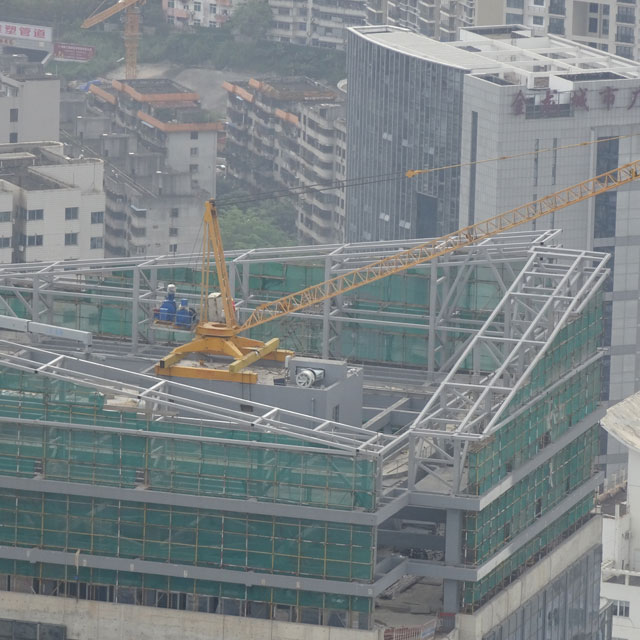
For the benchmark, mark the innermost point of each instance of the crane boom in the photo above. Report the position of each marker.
(441, 246)
(221, 338)
(121, 5)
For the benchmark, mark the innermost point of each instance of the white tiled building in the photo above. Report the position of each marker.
(24, 89)
(51, 206)
(440, 19)
(201, 13)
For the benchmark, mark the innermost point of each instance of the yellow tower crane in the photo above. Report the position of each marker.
(222, 338)
(131, 30)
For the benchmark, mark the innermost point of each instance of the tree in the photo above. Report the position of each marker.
(252, 20)
(249, 229)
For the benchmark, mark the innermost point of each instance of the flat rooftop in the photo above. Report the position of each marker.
(487, 50)
(156, 85)
(26, 179)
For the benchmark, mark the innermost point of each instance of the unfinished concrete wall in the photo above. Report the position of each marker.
(87, 620)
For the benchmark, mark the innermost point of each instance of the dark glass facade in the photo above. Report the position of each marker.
(404, 113)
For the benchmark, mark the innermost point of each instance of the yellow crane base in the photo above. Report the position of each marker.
(244, 352)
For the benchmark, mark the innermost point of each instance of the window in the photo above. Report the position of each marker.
(556, 25)
(97, 217)
(593, 25)
(71, 213)
(173, 231)
(620, 608)
(70, 239)
(193, 168)
(35, 214)
(515, 4)
(212, 8)
(13, 137)
(539, 3)
(96, 243)
(171, 4)
(194, 135)
(175, 212)
(5, 243)
(538, 20)
(13, 115)
(593, 7)
(5, 216)
(194, 151)
(34, 241)
(173, 248)
(197, 6)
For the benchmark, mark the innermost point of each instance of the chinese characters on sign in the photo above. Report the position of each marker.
(578, 99)
(25, 32)
(608, 96)
(63, 51)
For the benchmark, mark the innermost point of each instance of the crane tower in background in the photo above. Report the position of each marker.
(131, 30)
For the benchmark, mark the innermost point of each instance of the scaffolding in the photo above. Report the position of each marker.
(131, 488)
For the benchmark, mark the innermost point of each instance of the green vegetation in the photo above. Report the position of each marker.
(238, 46)
(263, 223)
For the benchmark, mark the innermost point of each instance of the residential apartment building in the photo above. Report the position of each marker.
(205, 13)
(24, 89)
(291, 133)
(440, 19)
(608, 25)
(414, 103)
(317, 23)
(51, 206)
(160, 147)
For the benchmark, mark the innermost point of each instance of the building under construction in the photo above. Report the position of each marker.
(449, 490)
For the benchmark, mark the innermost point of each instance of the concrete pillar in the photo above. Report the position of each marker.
(452, 555)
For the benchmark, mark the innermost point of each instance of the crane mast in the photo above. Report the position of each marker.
(131, 30)
(217, 338)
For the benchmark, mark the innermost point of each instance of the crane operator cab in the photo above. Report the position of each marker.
(215, 308)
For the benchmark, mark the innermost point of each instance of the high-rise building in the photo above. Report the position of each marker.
(608, 25)
(440, 19)
(414, 103)
(51, 206)
(160, 147)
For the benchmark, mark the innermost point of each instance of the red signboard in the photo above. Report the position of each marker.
(73, 52)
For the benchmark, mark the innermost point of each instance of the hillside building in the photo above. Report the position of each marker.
(161, 148)
(320, 23)
(51, 206)
(291, 133)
